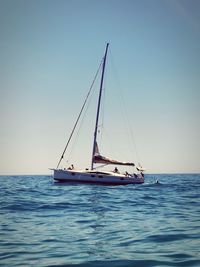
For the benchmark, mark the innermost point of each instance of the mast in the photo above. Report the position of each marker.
(99, 104)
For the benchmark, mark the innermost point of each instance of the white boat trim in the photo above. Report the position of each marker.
(100, 177)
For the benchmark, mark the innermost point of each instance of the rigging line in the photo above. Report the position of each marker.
(79, 127)
(131, 133)
(129, 128)
(125, 113)
(101, 166)
(62, 156)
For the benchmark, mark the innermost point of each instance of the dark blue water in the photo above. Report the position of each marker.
(46, 224)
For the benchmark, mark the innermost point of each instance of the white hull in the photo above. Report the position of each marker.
(97, 177)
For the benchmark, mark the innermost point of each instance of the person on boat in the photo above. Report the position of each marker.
(71, 167)
(116, 170)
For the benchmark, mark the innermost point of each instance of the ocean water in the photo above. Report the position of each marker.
(49, 224)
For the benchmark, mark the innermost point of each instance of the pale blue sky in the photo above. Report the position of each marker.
(49, 53)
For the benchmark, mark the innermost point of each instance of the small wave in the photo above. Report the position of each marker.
(147, 225)
(117, 263)
(132, 263)
(179, 256)
(167, 238)
(37, 206)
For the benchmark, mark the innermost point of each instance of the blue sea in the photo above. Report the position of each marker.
(48, 224)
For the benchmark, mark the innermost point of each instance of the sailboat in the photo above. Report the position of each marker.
(93, 175)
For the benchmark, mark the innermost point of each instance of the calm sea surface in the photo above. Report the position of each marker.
(47, 224)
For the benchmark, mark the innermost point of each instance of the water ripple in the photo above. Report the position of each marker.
(47, 224)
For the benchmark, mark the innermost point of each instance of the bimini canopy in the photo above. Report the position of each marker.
(97, 158)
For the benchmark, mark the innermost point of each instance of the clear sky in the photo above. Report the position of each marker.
(49, 53)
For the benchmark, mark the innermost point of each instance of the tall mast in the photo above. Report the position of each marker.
(99, 104)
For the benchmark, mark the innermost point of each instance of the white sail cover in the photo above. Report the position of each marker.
(97, 158)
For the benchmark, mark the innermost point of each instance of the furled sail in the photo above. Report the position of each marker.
(97, 158)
